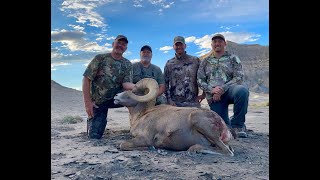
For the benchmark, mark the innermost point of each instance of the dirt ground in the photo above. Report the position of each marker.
(74, 156)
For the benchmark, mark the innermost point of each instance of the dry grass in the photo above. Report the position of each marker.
(72, 119)
(260, 104)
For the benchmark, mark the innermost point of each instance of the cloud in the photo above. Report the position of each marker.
(79, 57)
(166, 48)
(84, 11)
(240, 37)
(58, 64)
(91, 46)
(134, 60)
(155, 2)
(74, 41)
(229, 27)
(76, 27)
(137, 3)
(166, 6)
(163, 4)
(190, 39)
(108, 45)
(55, 53)
(204, 42)
(66, 35)
(111, 38)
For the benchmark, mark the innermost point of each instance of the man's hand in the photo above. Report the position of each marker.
(217, 90)
(200, 98)
(217, 93)
(89, 108)
(216, 97)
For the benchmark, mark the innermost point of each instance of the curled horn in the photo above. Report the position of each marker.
(146, 83)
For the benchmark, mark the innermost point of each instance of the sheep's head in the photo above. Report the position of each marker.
(146, 90)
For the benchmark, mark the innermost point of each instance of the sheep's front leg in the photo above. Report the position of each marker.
(137, 143)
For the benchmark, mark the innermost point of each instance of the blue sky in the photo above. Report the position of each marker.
(80, 29)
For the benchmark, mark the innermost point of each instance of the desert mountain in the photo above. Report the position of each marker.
(61, 95)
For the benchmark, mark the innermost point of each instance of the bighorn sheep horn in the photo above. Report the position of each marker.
(146, 83)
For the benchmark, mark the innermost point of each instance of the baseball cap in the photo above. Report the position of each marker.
(218, 36)
(121, 37)
(179, 39)
(146, 47)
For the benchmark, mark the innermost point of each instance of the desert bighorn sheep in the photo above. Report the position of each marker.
(170, 127)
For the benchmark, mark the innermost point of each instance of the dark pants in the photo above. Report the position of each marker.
(237, 95)
(97, 124)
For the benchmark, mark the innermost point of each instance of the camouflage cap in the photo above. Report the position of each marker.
(179, 39)
(218, 36)
(121, 37)
(146, 47)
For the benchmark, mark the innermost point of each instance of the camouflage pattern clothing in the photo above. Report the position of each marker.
(107, 75)
(152, 71)
(224, 71)
(180, 74)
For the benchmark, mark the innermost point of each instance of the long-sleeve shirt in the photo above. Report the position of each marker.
(224, 71)
(180, 74)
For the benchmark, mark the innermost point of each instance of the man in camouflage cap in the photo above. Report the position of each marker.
(106, 75)
(145, 69)
(180, 74)
(220, 75)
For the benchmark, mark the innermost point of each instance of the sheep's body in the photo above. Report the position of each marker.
(174, 128)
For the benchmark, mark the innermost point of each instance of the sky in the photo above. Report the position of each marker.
(81, 29)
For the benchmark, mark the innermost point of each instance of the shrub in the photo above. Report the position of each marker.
(261, 104)
(72, 119)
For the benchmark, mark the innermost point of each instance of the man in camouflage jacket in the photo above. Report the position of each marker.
(105, 76)
(220, 75)
(180, 74)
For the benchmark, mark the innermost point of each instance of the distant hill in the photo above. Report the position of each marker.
(64, 95)
(56, 87)
(255, 61)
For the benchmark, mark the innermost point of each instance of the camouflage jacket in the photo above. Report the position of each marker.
(152, 71)
(107, 75)
(224, 72)
(180, 74)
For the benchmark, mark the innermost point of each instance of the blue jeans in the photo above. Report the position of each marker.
(97, 124)
(238, 95)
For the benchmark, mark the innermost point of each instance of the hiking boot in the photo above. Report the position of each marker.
(240, 132)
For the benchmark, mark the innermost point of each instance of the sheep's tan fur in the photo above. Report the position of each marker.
(170, 127)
